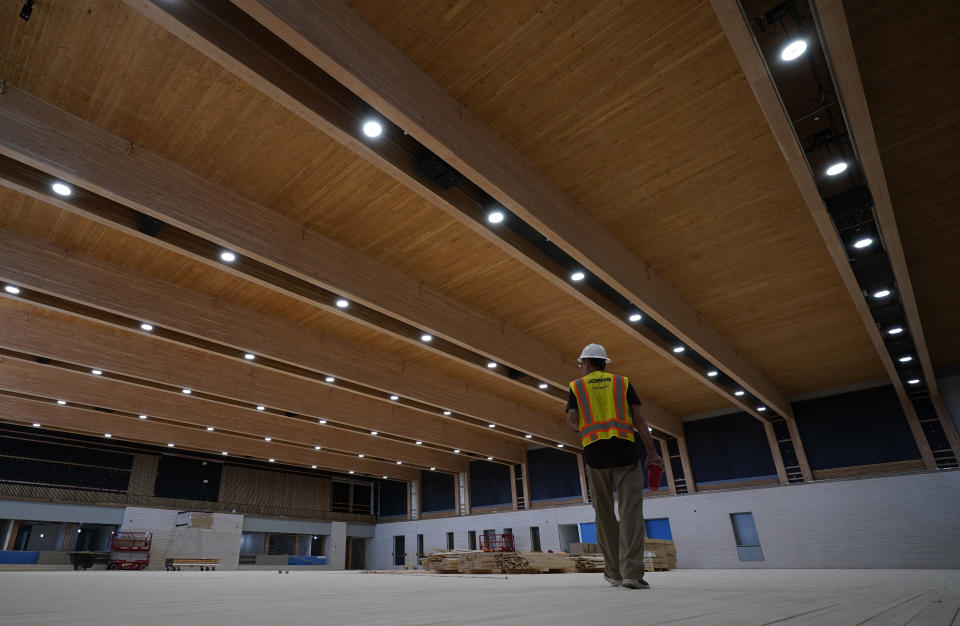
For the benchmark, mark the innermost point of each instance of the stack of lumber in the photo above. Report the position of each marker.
(589, 562)
(576, 549)
(659, 555)
(477, 562)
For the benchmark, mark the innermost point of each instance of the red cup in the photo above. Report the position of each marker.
(653, 477)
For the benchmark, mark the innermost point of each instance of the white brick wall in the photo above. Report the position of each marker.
(220, 542)
(910, 520)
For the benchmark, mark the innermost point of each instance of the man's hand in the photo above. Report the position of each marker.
(573, 420)
(654, 459)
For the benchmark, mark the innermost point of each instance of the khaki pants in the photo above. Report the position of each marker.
(622, 543)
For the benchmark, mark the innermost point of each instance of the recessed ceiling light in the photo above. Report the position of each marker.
(268, 438)
(883, 293)
(426, 338)
(374, 433)
(11, 289)
(862, 243)
(793, 50)
(489, 458)
(433, 469)
(837, 168)
(761, 408)
(372, 128)
(635, 317)
(419, 443)
(36, 425)
(448, 413)
(321, 421)
(170, 445)
(142, 416)
(896, 330)
(272, 460)
(739, 392)
(360, 456)
(186, 391)
(529, 436)
(249, 356)
(914, 381)
(224, 453)
(577, 276)
(906, 359)
(399, 462)
(350, 472)
(384, 476)
(457, 451)
(146, 327)
(330, 379)
(342, 304)
(313, 466)
(97, 372)
(209, 429)
(495, 217)
(559, 445)
(61, 401)
(492, 365)
(650, 429)
(394, 398)
(107, 435)
(317, 447)
(260, 407)
(227, 257)
(543, 385)
(61, 189)
(491, 425)
(712, 373)
(678, 349)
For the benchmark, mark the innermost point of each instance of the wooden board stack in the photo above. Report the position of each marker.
(659, 555)
(589, 562)
(476, 562)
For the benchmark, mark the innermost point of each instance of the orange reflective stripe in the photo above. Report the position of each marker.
(583, 399)
(602, 426)
(618, 397)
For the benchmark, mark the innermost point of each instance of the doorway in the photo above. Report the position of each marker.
(399, 550)
(356, 553)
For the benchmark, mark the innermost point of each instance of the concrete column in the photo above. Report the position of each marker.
(337, 548)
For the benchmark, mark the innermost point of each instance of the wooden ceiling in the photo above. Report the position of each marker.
(638, 112)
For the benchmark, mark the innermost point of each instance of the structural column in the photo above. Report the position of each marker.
(525, 480)
(513, 487)
(667, 465)
(685, 463)
(775, 451)
(584, 493)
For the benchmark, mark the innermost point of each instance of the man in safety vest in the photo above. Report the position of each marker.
(605, 410)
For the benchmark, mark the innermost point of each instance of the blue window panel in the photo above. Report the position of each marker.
(588, 533)
(658, 528)
(744, 529)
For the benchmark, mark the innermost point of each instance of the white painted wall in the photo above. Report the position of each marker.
(909, 520)
(220, 542)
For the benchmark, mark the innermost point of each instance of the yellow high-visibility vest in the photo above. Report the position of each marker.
(602, 401)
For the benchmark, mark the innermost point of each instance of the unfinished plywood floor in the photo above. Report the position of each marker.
(679, 597)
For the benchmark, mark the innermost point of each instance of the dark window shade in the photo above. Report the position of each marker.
(728, 447)
(553, 474)
(393, 498)
(45, 473)
(184, 479)
(489, 484)
(437, 491)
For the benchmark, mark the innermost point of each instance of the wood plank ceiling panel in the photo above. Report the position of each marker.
(197, 114)
(639, 112)
(909, 63)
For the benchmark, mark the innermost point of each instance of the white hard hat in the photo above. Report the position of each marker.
(593, 351)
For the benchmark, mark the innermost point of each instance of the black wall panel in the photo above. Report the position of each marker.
(438, 491)
(25, 459)
(489, 484)
(729, 447)
(187, 479)
(553, 474)
(855, 428)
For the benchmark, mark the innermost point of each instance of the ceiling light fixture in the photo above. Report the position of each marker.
(224, 453)
(426, 338)
(350, 472)
(399, 462)
(317, 448)
(272, 460)
(489, 458)
(142, 416)
(492, 365)
(914, 381)
(384, 476)
(61, 189)
(712, 373)
(374, 433)
(360, 456)
(372, 129)
(559, 445)
(227, 257)
(313, 467)
(268, 438)
(107, 435)
(448, 413)
(739, 392)
(433, 469)
(11, 289)
(147, 327)
(905, 359)
(635, 317)
(793, 50)
(528, 436)
(36, 425)
(543, 385)
(186, 391)
(678, 349)
(321, 421)
(761, 408)
(330, 379)
(419, 443)
(495, 217)
(491, 425)
(249, 356)
(394, 398)
(170, 445)
(97, 372)
(61, 402)
(860, 244)
(342, 304)
(883, 293)
(837, 168)
(896, 330)
(209, 429)
(577, 276)
(260, 407)
(457, 451)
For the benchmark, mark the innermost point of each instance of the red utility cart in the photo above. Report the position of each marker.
(130, 551)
